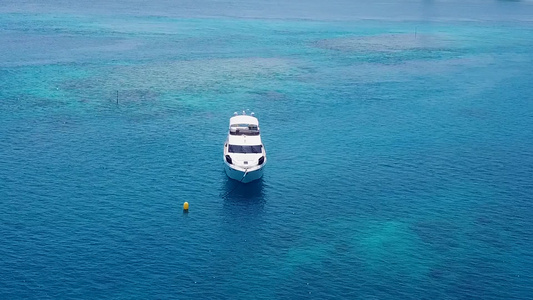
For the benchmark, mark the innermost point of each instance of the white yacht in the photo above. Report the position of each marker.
(244, 153)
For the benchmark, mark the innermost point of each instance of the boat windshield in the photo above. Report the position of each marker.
(245, 149)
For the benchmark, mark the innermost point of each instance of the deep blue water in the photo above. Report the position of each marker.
(399, 139)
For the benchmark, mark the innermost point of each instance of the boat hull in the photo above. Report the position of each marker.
(238, 175)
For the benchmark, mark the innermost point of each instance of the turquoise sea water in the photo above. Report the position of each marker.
(399, 139)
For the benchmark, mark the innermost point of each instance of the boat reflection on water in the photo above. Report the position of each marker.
(238, 194)
(243, 210)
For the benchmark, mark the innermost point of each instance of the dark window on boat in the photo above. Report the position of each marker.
(245, 149)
